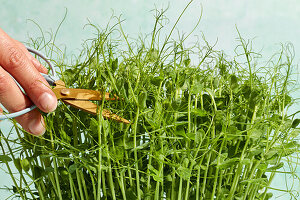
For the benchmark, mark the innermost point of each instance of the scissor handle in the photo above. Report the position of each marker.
(49, 78)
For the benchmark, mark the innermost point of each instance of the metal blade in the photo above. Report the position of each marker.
(81, 94)
(91, 108)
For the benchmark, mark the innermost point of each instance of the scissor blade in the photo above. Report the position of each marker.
(91, 108)
(81, 94)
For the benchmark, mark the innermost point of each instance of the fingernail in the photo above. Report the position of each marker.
(37, 127)
(48, 102)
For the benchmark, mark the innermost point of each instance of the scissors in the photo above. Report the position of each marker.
(78, 98)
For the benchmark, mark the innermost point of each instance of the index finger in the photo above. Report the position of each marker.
(16, 62)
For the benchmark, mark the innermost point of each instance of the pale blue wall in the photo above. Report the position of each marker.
(270, 21)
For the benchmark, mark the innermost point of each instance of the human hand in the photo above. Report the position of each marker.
(19, 63)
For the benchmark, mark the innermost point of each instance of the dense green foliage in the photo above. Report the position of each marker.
(202, 126)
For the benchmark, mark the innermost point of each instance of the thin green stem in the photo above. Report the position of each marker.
(99, 164)
(57, 186)
(11, 174)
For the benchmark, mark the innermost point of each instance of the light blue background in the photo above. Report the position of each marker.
(270, 22)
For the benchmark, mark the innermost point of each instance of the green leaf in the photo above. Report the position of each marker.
(114, 65)
(73, 168)
(63, 172)
(239, 197)
(275, 167)
(185, 162)
(245, 161)
(92, 82)
(191, 135)
(17, 163)
(255, 150)
(181, 78)
(15, 190)
(157, 80)
(180, 132)
(199, 112)
(94, 126)
(129, 145)
(68, 117)
(4, 159)
(131, 193)
(118, 154)
(255, 133)
(49, 169)
(228, 163)
(202, 167)
(262, 166)
(64, 136)
(268, 196)
(169, 178)
(199, 135)
(287, 152)
(271, 154)
(294, 133)
(38, 172)
(220, 158)
(142, 99)
(153, 54)
(184, 172)
(287, 100)
(25, 164)
(295, 123)
(287, 124)
(155, 173)
(187, 62)
(141, 147)
(220, 116)
(289, 145)
(196, 88)
(261, 181)
(233, 81)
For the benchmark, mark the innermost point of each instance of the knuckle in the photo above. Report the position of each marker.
(15, 57)
(36, 84)
(21, 45)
